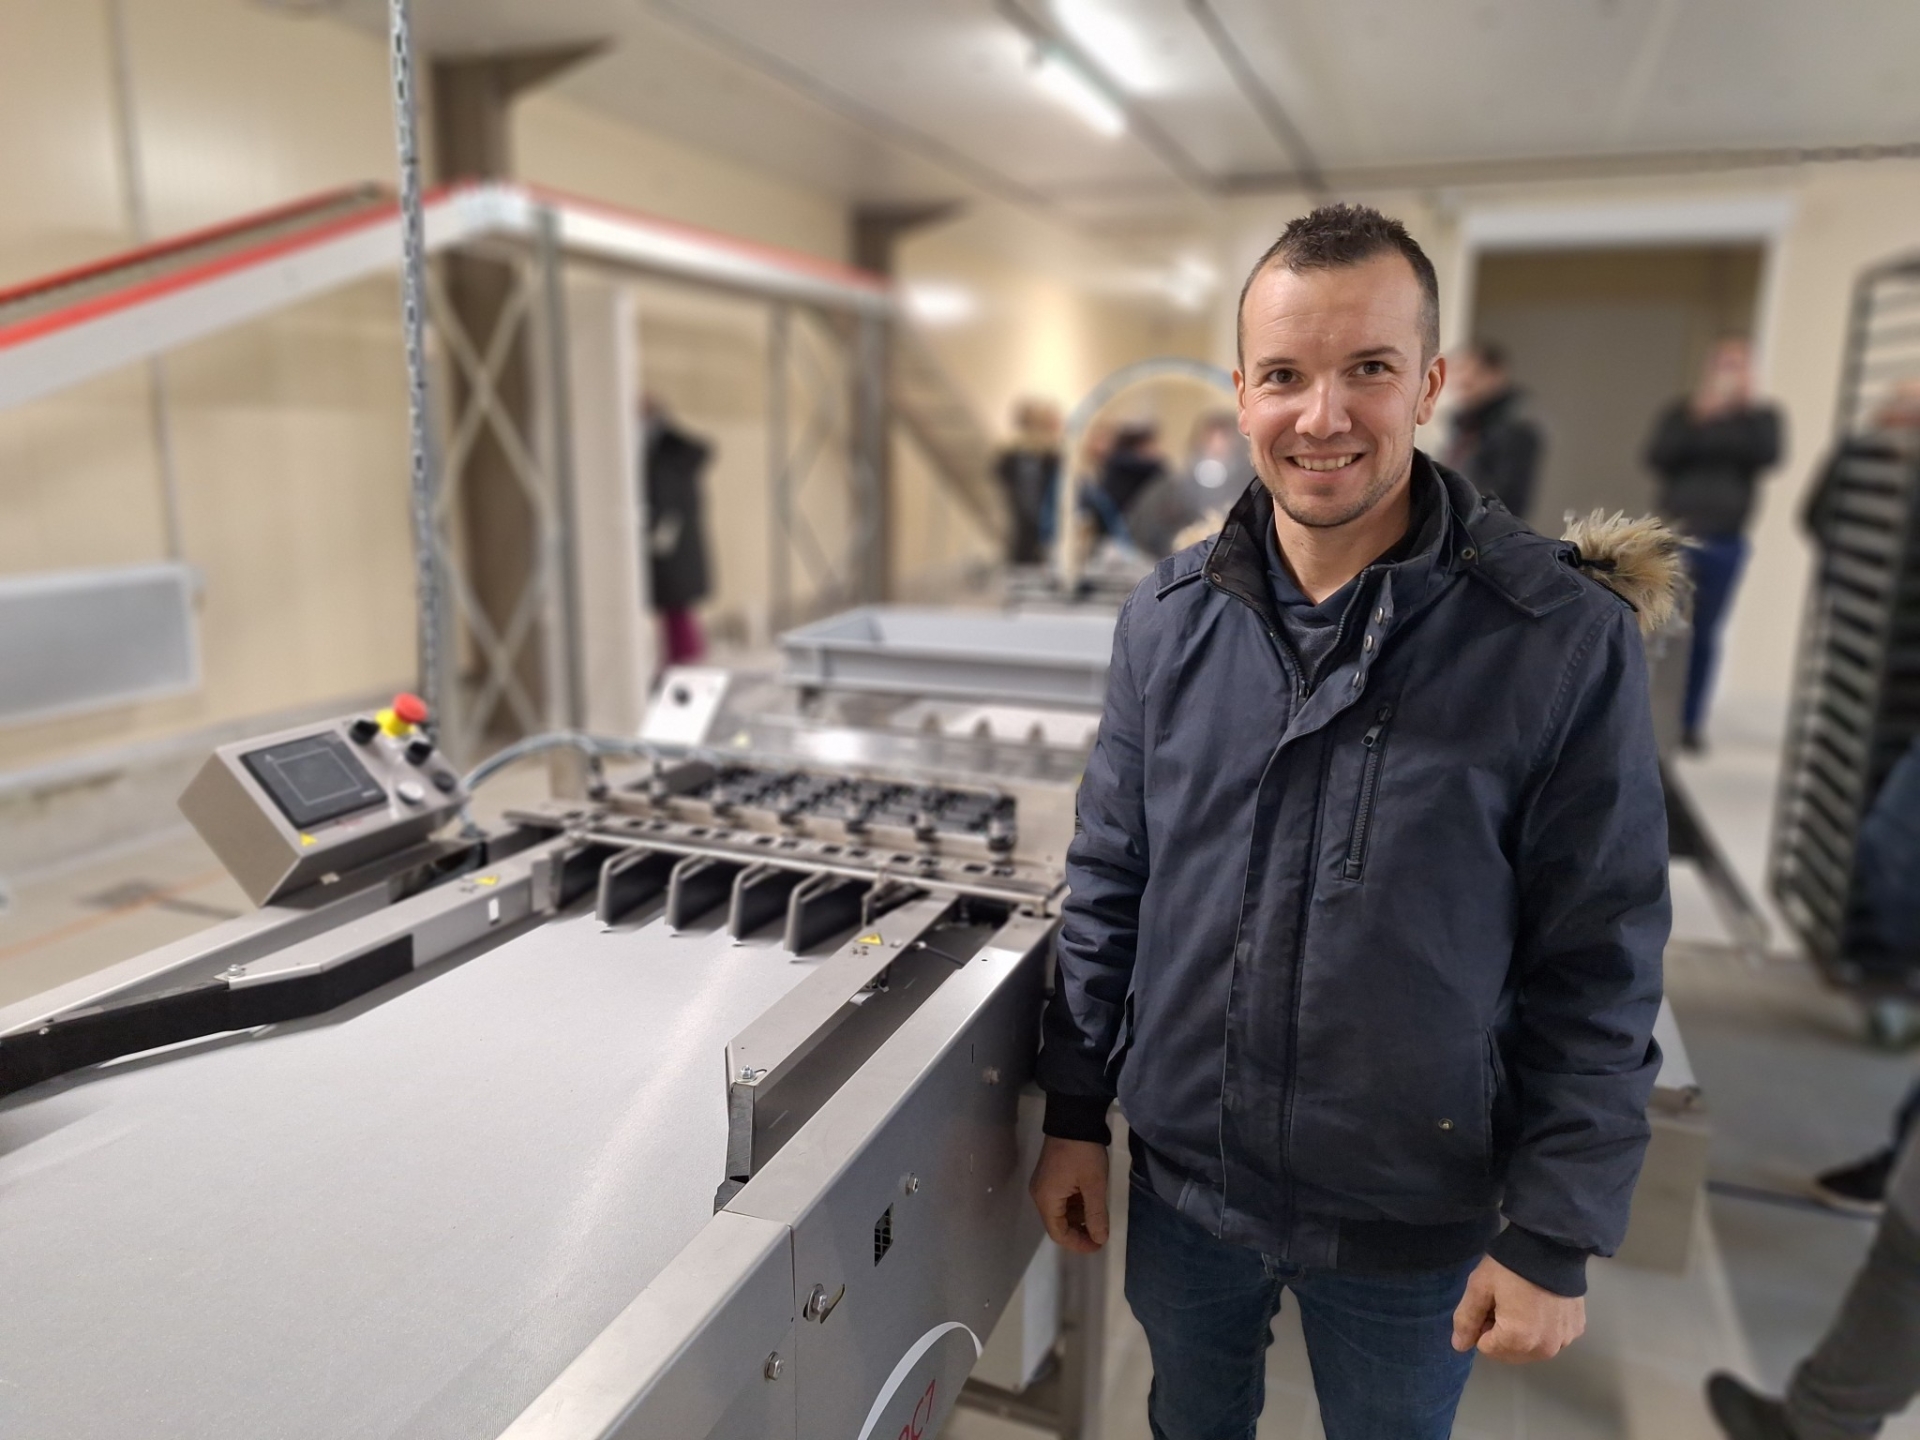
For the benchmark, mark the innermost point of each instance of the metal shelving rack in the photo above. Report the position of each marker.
(1856, 701)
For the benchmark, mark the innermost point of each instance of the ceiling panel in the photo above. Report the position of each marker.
(1401, 82)
(909, 99)
(1839, 72)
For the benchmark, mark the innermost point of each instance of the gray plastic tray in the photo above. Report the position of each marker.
(1037, 659)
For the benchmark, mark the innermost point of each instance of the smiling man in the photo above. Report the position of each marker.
(1367, 899)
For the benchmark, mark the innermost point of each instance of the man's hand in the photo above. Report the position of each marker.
(1511, 1319)
(1070, 1188)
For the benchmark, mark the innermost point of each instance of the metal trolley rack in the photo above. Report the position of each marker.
(1856, 705)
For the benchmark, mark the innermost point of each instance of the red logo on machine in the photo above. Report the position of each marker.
(916, 1428)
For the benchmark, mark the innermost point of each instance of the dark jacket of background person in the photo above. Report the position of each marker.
(1374, 962)
(1709, 469)
(1130, 468)
(1497, 445)
(676, 550)
(1028, 477)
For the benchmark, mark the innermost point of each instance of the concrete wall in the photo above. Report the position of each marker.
(289, 434)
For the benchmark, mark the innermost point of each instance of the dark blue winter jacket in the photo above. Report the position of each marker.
(1374, 963)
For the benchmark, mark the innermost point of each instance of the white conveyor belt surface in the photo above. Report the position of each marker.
(399, 1220)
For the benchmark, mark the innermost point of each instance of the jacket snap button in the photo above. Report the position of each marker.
(1367, 644)
(1380, 615)
(1357, 677)
(1446, 1124)
(1469, 553)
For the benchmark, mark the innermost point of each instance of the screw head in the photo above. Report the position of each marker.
(774, 1367)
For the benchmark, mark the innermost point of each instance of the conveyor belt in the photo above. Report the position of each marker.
(400, 1220)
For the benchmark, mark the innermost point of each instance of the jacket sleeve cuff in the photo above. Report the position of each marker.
(1552, 1266)
(1077, 1117)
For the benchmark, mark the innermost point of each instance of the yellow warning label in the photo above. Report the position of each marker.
(486, 879)
(872, 938)
(308, 840)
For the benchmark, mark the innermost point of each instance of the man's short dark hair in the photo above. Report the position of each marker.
(1336, 235)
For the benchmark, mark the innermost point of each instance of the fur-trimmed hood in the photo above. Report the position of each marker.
(1641, 559)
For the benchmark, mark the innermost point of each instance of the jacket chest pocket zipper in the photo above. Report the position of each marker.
(1375, 742)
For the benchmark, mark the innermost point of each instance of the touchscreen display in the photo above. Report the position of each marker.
(314, 779)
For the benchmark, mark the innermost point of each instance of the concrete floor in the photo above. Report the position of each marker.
(1791, 1086)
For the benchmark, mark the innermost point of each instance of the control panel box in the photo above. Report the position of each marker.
(311, 805)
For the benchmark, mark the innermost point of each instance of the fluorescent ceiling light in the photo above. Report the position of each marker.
(1112, 41)
(1191, 281)
(1067, 85)
(939, 303)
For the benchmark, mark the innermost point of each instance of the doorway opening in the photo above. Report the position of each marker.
(1601, 339)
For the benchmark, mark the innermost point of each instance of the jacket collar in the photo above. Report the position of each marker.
(1237, 562)
(1475, 537)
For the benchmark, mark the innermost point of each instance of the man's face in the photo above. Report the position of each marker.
(1332, 385)
(1728, 374)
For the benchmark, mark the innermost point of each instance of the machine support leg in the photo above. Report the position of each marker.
(1066, 1400)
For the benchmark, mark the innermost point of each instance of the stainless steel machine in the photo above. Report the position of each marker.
(696, 1106)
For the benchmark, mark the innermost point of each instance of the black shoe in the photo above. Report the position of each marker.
(1859, 1188)
(1743, 1414)
(1693, 743)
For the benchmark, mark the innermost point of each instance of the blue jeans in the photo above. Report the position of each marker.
(1381, 1346)
(1715, 562)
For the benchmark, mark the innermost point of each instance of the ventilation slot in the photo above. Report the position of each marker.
(883, 1235)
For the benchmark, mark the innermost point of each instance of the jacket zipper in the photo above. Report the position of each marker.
(1375, 742)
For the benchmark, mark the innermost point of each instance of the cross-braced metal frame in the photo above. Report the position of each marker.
(827, 425)
(487, 655)
(834, 368)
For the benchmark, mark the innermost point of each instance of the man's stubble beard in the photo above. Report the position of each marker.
(1377, 490)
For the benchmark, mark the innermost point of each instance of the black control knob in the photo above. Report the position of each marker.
(418, 749)
(445, 781)
(363, 730)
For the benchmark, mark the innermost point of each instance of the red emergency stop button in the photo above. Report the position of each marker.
(410, 708)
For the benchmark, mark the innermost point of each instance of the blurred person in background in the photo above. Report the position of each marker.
(1495, 442)
(1029, 472)
(1708, 451)
(1197, 494)
(1129, 462)
(1134, 463)
(1887, 866)
(675, 464)
(1867, 1366)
